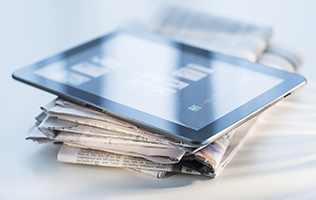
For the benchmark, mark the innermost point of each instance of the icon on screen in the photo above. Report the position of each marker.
(195, 108)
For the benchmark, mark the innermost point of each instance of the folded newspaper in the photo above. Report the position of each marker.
(94, 138)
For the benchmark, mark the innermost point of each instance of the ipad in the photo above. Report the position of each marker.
(186, 93)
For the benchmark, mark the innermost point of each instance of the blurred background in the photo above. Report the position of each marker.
(48, 27)
(36, 29)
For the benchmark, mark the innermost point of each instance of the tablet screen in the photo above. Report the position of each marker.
(186, 93)
(182, 85)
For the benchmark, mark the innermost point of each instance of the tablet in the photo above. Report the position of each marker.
(186, 93)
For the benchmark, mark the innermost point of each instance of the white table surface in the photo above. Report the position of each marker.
(277, 162)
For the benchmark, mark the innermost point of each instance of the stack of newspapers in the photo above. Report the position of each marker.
(94, 138)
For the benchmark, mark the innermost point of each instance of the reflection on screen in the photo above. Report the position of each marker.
(172, 82)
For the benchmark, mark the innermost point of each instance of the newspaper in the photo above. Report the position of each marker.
(72, 123)
(210, 157)
(207, 162)
(186, 166)
(211, 32)
(224, 35)
(77, 114)
(94, 138)
(203, 162)
(128, 145)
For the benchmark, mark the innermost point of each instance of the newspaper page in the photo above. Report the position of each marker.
(71, 134)
(204, 162)
(76, 136)
(211, 32)
(196, 164)
(79, 155)
(67, 111)
(227, 36)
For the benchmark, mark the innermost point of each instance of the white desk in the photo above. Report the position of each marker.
(277, 162)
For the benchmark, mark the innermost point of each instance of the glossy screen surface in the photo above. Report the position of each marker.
(173, 82)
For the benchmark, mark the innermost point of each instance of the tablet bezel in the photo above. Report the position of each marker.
(205, 135)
